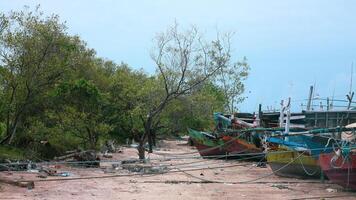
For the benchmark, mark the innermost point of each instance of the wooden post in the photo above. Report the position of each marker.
(281, 114)
(288, 119)
(327, 104)
(310, 97)
(259, 120)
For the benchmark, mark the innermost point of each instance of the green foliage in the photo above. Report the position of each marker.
(195, 110)
(35, 54)
(7, 152)
(57, 95)
(79, 108)
(2, 129)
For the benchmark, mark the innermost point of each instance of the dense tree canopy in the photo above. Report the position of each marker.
(55, 90)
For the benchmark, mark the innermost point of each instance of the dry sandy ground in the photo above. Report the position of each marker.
(173, 185)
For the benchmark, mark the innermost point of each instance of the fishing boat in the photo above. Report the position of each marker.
(206, 143)
(232, 136)
(340, 168)
(297, 156)
(340, 164)
(290, 163)
(210, 145)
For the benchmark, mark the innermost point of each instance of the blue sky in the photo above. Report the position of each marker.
(290, 45)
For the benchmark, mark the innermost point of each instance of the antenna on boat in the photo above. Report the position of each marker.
(352, 70)
(332, 99)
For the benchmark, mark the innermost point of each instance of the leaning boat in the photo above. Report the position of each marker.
(206, 143)
(210, 145)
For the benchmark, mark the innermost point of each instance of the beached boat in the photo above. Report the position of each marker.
(290, 163)
(340, 167)
(206, 143)
(210, 145)
(298, 156)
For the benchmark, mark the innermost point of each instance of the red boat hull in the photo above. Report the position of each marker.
(209, 151)
(239, 146)
(230, 147)
(340, 171)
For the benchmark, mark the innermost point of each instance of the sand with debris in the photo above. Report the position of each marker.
(188, 178)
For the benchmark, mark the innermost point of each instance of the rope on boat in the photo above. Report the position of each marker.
(248, 181)
(206, 160)
(210, 148)
(305, 170)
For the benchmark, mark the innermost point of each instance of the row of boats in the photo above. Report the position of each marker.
(309, 144)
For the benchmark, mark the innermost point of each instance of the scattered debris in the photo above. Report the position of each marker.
(48, 171)
(120, 150)
(124, 162)
(146, 169)
(82, 156)
(107, 155)
(115, 166)
(281, 187)
(16, 165)
(133, 145)
(331, 190)
(42, 175)
(63, 174)
(27, 184)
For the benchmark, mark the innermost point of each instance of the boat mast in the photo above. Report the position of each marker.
(310, 97)
(351, 93)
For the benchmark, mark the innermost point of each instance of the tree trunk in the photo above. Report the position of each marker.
(141, 151)
(13, 132)
(150, 142)
(153, 137)
(148, 132)
(12, 135)
(141, 142)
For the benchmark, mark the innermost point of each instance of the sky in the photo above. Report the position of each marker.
(289, 44)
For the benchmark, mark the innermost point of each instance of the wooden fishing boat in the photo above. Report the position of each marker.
(288, 162)
(298, 157)
(340, 169)
(206, 143)
(212, 145)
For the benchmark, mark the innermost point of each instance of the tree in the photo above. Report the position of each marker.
(184, 61)
(35, 54)
(230, 75)
(128, 92)
(193, 110)
(80, 110)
